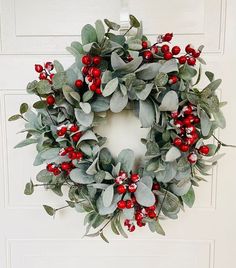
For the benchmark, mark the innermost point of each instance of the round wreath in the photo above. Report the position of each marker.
(113, 71)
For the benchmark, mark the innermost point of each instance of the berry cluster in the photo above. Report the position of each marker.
(71, 153)
(91, 72)
(45, 72)
(126, 184)
(71, 129)
(167, 53)
(187, 122)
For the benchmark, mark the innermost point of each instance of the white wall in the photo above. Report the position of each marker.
(36, 31)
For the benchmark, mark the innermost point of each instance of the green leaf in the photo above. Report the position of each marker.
(103, 237)
(100, 30)
(87, 95)
(29, 188)
(114, 228)
(120, 228)
(43, 87)
(126, 158)
(24, 108)
(172, 154)
(66, 92)
(208, 90)
(50, 211)
(170, 102)
(88, 135)
(220, 119)
(189, 197)
(206, 123)
(120, 39)
(50, 153)
(143, 94)
(144, 195)
(158, 228)
(148, 71)
(100, 104)
(25, 143)
(169, 66)
(86, 107)
(59, 80)
(118, 102)
(44, 176)
(146, 113)
(134, 44)
(107, 195)
(187, 73)
(161, 79)
(83, 118)
(40, 104)
(181, 188)
(133, 21)
(88, 34)
(112, 25)
(79, 175)
(119, 65)
(110, 87)
(209, 75)
(75, 96)
(58, 66)
(14, 117)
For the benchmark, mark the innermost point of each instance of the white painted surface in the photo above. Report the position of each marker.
(203, 237)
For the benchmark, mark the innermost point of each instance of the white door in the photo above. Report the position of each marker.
(36, 31)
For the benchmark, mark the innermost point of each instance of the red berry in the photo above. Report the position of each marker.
(97, 81)
(145, 45)
(121, 204)
(187, 121)
(131, 228)
(43, 76)
(121, 189)
(154, 49)
(165, 48)
(156, 186)
(62, 131)
(204, 150)
(123, 174)
(98, 91)
(174, 114)
(129, 204)
(147, 55)
(140, 223)
(56, 171)
(97, 60)
(189, 49)
(196, 120)
(168, 55)
(184, 147)
(182, 59)
(63, 152)
(72, 155)
(50, 100)
(134, 177)
(38, 68)
(175, 50)
(65, 166)
(96, 72)
(49, 66)
(191, 61)
(167, 37)
(129, 58)
(187, 110)
(51, 76)
(196, 53)
(69, 149)
(178, 123)
(139, 216)
(93, 87)
(76, 137)
(79, 83)
(173, 79)
(190, 129)
(152, 207)
(177, 142)
(132, 187)
(127, 222)
(74, 128)
(79, 155)
(152, 214)
(86, 59)
(195, 136)
(133, 198)
(189, 140)
(85, 70)
(192, 158)
(50, 167)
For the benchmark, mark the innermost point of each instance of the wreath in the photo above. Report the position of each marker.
(113, 71)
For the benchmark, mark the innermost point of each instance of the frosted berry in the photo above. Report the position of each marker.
(129, 204)
(191, 61)
(189, 49)
(154, 49)
(187, 121)
(187, 110)
(50, 167)
(165, 48)
(173, 79)
(85, 70)
(182, 59)
(192, 158)
(132, 187)
(97, 60)
(127, 222)
(152, 214)
(86, 60)
(79, 155)
(139, 216)
(178, 123)
(190, 129)
(168, 55)
(38, 68)
(43, 76)
(147, 55)
(204, 150)
(134, 177)
(79, 83)
(56, 171)
(49, 66)
(50, 100)
(121, 189)
(144, 44)
(131, 228)
(177, 142)
(175, 50)
(121, 204)
(167, 37)
(174, 114)
(196, 53)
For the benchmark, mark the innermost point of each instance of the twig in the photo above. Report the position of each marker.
(222, 143)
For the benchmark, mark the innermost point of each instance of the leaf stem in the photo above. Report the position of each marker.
(222, 143)
(128, 30)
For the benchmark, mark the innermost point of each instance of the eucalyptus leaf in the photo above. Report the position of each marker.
(107, 195)
(146, 113)
(169, 102)
(144, 195)
(110, 87)
(118, 102)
